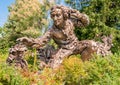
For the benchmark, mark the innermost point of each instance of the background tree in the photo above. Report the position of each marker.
(3, 40)
(26, 18)
(104, 19)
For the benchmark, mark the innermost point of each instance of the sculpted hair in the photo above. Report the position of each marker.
(65, 11)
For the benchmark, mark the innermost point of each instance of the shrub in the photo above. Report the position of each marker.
(10, 76)
(74, 70)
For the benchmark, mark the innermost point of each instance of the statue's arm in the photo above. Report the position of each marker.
(38, 42)
(79, 19)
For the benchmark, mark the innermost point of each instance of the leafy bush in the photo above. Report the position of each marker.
(104, 20)
(73, 71)
(103, 71)
(97, 71)
(10, 76)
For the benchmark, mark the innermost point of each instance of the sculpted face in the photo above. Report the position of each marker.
(57, 17)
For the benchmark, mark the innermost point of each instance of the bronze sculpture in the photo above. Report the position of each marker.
(16, 56)
(62, 32)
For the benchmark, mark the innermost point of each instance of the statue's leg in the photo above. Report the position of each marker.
(86, 48)
(44, 54)
(58, 57)
(87, 53)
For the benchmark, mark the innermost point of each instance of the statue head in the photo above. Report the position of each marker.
(59, 14)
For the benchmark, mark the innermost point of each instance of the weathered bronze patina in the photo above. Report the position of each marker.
(62, 32)
(16, 56)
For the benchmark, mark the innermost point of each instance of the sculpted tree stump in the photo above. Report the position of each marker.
(16, 56)
(62, 32)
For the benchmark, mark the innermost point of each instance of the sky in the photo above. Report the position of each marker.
(4, 10)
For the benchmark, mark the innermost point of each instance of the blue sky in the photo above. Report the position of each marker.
(4, 10)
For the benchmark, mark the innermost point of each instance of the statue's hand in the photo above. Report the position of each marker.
(75, 14)
(25, 40)
(30, 42)
(36, 46)
(22, 39)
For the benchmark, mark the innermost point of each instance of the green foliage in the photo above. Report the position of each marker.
(97, 71)
(104, 19)
(103, 70)
(4, 41)
(26, 18)
(10, 76)
(73, 71)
